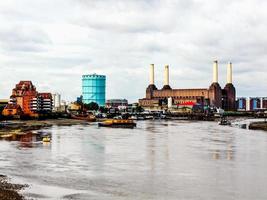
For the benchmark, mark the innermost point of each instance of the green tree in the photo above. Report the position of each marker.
(1, 109)
(139, 109)
(102, 109)
(91, 106)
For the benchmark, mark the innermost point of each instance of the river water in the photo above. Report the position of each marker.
(157, 160)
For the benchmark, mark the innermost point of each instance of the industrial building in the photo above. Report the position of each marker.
(26, 101)
(115, 103)
(251, 103)
(94, 89)
(213, 96)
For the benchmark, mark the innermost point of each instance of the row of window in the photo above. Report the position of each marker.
(185, 97)
(93, 96)
(93, 83)
(94, 90)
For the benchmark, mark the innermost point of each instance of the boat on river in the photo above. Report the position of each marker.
(118, 123)
(89, 118)
(46, 139)
(10, 124)
(224, 122)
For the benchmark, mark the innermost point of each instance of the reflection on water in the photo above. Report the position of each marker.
(157, 160)
(223, 154)
(28, 139)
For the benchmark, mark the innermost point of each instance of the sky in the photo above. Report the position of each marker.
(54, 42)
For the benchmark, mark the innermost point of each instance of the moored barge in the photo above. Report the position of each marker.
(117, 123)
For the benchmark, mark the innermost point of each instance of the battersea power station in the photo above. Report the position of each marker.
(213, 96)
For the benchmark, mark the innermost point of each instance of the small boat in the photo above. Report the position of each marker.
(133, 117)
(224, 122)
(118, 123)
(46, 139)
(149, 117)
(89, 118)
(140, 118)
(7, 124)
(6, 136)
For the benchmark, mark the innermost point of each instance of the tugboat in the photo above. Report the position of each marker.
(118, 123)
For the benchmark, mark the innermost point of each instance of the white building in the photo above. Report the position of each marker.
(56, 102)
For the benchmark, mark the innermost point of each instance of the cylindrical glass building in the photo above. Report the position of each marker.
(94, 89)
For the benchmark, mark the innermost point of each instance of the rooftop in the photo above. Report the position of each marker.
(94, 75)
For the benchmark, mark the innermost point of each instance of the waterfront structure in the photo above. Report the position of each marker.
(25, 100)
(12, 110)
(3, 103)
(74, 106)
(251, 103)
(94, 89)
(213, 96)
(115, 103)
(56, 102)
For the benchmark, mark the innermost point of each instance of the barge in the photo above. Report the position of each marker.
(89, 118)
(118, 123)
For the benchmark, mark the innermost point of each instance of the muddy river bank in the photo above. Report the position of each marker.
(10, 191)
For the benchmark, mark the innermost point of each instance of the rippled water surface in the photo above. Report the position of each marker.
(157, 160)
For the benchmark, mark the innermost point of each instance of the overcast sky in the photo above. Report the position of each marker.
(54, 42)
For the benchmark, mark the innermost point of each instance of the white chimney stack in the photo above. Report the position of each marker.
(151, 75)
(229, 73)
(166, 75)
(261, 104)
(215, 71)
(248, 104)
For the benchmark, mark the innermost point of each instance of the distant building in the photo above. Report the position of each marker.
(251, 103)
(115, 103)
(56, 102)
(212, 96)
(74, 107)
(27, 101)
(94, 89)
(79, 99)
(45, 104)
(63, 103)
(63, 106)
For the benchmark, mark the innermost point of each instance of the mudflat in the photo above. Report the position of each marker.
(29, 125)
(9, 190)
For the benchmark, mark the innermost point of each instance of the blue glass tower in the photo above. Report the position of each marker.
(94, 89)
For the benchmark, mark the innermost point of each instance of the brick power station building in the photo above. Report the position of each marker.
(26, 101)
(213, 96)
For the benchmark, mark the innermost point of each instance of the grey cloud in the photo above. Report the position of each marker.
(121, 38)
(126, 16)
(130, 28)
(155, 48)
(24, 39)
